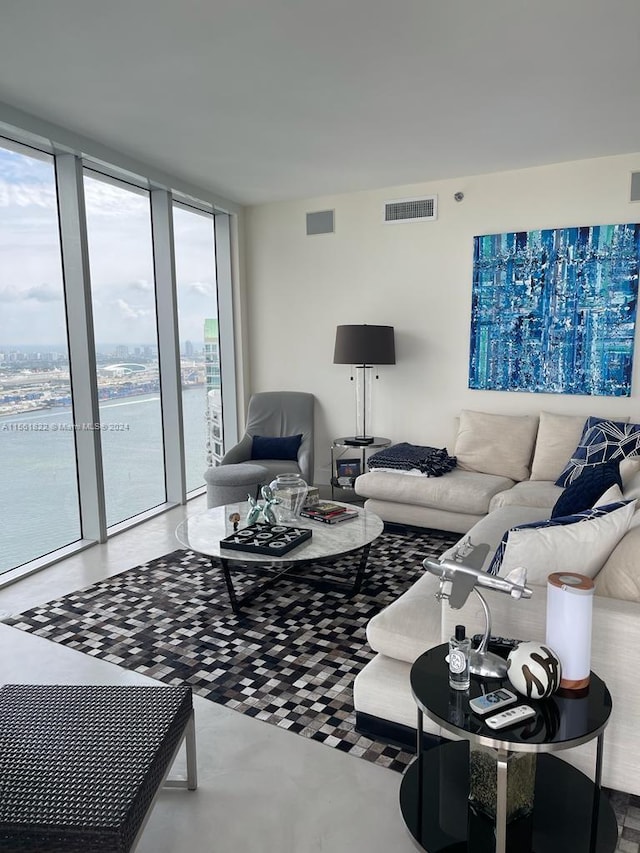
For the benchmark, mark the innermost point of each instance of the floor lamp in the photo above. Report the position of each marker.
(363, 347)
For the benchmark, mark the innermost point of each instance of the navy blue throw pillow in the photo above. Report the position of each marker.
(585, 490)
(270, 447)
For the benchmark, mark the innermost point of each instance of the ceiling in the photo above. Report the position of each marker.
(262, 100)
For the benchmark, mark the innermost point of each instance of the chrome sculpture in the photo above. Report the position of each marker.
(465, 579)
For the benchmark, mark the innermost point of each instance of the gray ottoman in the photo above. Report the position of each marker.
(227, 484)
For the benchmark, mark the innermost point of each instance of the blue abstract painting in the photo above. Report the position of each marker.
(554, 310)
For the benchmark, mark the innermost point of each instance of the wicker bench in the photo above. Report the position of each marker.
(80, 766)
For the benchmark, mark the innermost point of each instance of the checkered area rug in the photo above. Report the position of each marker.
(289, 659)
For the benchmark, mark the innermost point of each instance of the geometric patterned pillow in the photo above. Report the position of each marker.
(602, 441)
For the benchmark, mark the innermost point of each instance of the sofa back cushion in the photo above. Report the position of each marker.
(630, 473)
(558, 437)
(620, 575)
(496, 444)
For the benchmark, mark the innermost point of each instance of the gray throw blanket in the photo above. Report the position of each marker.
(432, 461)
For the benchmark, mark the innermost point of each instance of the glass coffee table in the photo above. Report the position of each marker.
(455, 797)
(203, 532)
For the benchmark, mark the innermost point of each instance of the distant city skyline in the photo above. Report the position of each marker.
(60, 347)
(198, 346)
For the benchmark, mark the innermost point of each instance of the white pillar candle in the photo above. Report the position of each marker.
(569, 614)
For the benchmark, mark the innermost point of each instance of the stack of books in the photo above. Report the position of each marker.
(328, 513)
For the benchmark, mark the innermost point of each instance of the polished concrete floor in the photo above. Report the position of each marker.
(261, 789)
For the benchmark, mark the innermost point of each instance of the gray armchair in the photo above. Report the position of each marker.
(278, 414)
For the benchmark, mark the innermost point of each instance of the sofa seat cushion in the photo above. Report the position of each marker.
(496, 444)
(422, 516)
(457, 491)
(412, 623)
(383, 689)
(539, 493)
(409, 625)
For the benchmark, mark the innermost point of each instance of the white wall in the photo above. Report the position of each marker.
(416, 277)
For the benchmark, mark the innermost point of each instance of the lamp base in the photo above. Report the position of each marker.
(482, 662)
(487, 665)
(358, 440)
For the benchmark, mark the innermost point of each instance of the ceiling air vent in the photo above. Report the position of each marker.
(411, 209)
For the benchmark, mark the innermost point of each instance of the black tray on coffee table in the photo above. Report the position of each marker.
(274, 539)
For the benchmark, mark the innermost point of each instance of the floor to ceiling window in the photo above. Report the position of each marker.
(39, 509)
(101, 265)
(126, 342)
(194, 239)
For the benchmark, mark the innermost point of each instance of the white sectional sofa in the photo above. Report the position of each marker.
(417, 621)
(502, 460)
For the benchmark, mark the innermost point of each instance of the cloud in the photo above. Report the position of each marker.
(200, 288)
(26, 181)
(104, 199)
(43, 293)
(141, 284)
(39, 293)
(9, 294)
(25, 195)
(131, 312)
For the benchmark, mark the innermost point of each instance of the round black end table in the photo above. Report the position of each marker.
(570, 812)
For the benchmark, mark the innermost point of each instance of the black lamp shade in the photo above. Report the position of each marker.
(364, 345)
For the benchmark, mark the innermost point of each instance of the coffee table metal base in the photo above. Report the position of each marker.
(570, 813)
(274, 572)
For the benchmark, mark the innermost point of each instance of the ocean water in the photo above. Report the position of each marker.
(38, 486)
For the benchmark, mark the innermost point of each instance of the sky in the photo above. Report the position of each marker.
(120, 260)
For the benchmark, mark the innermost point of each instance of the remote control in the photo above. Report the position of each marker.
(500, 645)
(510, 717)
(492, 701)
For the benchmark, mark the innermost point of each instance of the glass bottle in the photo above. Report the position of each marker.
(459, 651)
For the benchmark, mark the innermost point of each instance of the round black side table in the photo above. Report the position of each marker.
(570, 812)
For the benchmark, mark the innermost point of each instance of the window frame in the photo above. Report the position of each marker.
(73, 154)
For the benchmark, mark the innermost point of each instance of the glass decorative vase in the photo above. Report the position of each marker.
(290, 491)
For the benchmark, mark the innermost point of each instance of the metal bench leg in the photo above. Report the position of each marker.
(190, 743)
(191, 782)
